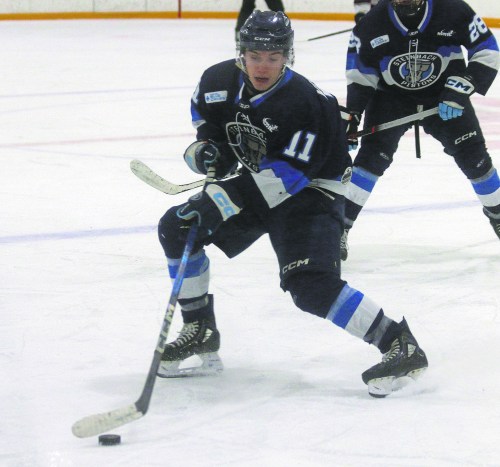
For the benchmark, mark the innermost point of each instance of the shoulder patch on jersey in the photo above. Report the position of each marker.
(379, 41)
(217, 96)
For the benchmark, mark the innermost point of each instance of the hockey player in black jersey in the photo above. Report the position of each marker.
(289, 139)
(362, 7)
(405, 56)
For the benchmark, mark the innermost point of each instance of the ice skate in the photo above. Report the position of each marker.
(344, 248)
(200, 340)
(495, 223)
(405, 361)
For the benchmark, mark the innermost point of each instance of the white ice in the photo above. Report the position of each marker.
(84, 283)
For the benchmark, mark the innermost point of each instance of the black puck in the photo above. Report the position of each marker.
(109, 440)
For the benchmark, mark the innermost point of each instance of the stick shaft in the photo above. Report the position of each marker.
(394, 123)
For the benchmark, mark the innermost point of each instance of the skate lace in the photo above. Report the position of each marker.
(393, 352)
(343, 240)
(187, 333)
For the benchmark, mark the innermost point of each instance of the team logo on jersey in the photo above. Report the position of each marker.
(416, 70)
(217, 96)
(247, 141)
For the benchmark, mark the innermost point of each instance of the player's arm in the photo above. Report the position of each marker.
(482, 68)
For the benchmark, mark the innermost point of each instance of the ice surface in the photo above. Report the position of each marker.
(84, 282)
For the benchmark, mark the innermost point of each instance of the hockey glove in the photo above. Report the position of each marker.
(352, 120)
(358, 17)
(454, 97)
(201, 155)
(209, 208)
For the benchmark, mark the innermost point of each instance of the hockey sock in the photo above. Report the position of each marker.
(358, 192)
(487, 189)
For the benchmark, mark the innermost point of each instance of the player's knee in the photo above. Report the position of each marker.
(172, 233)
(473, 160)
(374, 159)
(314, 292)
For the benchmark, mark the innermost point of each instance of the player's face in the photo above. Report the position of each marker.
(264, 67)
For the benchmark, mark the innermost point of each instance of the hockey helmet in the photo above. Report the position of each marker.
(407, 8)
(267, 30)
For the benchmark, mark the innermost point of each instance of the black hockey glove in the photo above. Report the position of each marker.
(352, 120)
(201, 155)
(209, 208)
(358, 17)
(454, 97)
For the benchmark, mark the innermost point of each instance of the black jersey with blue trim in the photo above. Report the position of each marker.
(384, 54)
(288, 137)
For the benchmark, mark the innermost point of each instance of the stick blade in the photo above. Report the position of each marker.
(101, 422)
(143, 172)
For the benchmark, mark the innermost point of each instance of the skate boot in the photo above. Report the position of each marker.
(495, 223)
(199, 338)
(403, 362)
(344, 248)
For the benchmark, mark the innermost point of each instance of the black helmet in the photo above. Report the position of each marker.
(407, 8)
(267, 30)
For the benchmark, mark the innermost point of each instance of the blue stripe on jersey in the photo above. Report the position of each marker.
(429, 15)
(363, 179)
(345, 306)
(293, 179)
(489, 44)
(196, 266)
(255, 101)
(488, 186)
(195, 115)
(354, 63)
(448, 51)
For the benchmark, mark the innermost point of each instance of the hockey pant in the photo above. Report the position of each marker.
(461, 138)
(305, 235)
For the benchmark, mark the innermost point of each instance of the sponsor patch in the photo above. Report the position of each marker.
(217, 96)
(379, 41)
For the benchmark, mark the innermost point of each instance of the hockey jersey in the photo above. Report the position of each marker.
(384, 54)
(287, 138)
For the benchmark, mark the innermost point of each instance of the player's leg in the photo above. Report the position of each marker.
(275, 5)
(245, 11)
(463, 139)
(374, 157)
(310, 270)
(199, 334)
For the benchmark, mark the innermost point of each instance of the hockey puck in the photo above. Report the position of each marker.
(109, 440)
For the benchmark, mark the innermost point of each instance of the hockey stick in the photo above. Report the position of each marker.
(101, 422)
(329, 35)
(150, 177)
(143, 172)
(400, 121)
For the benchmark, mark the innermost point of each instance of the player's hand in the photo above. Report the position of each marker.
(352, 119)
(454, 97)
(201, 155)
(358, 17)
(209, 209)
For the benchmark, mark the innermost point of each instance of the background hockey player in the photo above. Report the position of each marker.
(362, 7)
(406, 55)
(290, 140)
(247, 7)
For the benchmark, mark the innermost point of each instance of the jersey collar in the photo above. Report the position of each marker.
(421, 27)
(259, 98)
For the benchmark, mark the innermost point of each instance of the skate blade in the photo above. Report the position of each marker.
(211, 365)
(382, 387)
